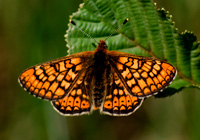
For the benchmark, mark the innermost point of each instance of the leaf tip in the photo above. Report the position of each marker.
(163, 9)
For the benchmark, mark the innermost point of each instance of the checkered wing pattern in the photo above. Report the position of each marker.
(78, 101)
(118, 102)
(141, 76)
(55, 79)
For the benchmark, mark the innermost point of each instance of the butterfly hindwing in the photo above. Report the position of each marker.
(77, 102)
(118, 102)
(54, 79)
(142, 76)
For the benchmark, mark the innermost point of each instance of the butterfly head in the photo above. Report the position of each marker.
(102, 46)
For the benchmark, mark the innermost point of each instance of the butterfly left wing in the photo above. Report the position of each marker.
(141, 76)
(78, 101)
(55, 79)
(117, 101)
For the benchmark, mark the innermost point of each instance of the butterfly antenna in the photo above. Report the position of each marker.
(125, 21)
(73, 23)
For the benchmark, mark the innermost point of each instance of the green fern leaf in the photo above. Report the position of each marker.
(149, 32)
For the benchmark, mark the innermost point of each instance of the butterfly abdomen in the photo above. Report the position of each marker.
(99, 87)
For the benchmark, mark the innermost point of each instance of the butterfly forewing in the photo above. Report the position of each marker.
(142, 77)
(53, 80)
(118, 102)
(77, 102)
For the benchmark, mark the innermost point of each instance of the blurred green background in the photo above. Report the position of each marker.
(32, 31)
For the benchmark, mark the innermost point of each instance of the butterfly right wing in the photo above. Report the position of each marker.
(118, 102)
(142, 77)
(55, 79)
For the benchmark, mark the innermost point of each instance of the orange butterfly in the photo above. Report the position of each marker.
(114, 82)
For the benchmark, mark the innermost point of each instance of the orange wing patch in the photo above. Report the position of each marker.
(142, 77)
(118, 102)
(52, 80)
(77, 102)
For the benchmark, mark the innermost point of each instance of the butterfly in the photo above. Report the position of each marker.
(114, 82)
